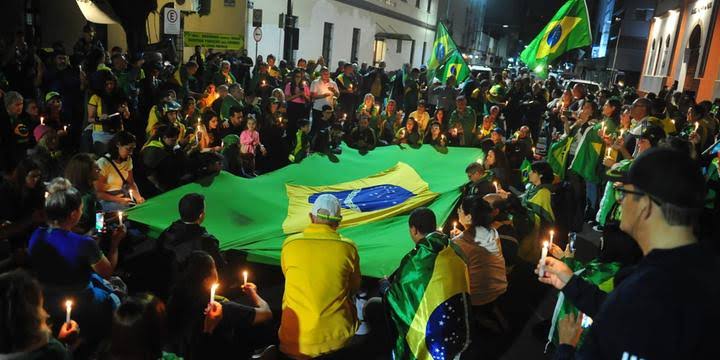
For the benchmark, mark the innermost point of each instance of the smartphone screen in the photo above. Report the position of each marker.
(586, 322)
(99, 221)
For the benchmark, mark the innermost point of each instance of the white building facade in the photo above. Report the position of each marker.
(393, 31)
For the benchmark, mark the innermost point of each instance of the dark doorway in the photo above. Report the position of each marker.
(692, 56)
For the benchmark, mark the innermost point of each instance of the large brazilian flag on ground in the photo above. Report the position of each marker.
(377, 191)
(568, 29)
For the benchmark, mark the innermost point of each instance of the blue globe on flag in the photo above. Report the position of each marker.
(555, 35)
(369, 198)
(440, 52)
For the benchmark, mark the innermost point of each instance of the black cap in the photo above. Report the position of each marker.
(652, 133)
(670, 176)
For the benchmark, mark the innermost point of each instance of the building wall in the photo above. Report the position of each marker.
(705, 80)
(371, 17)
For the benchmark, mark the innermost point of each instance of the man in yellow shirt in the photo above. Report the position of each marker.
(322, 272)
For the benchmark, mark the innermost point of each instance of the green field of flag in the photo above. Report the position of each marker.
(249, 214)
(568, 29)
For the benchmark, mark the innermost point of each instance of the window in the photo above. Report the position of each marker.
(399, 46)
(429, 5)
(417, 4)
(327, 42)
(422, 60)
(355, 44)
(379, 51)
(412, 52)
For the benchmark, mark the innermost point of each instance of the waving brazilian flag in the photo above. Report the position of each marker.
(376, 191)
(445, 58)
(569, 29)
(428, 301)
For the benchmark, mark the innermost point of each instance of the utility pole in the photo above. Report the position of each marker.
(290, 34)
(617, 42)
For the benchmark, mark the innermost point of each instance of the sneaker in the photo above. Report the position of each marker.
(360, 301)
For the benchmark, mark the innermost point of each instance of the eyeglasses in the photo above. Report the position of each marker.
(621, 191)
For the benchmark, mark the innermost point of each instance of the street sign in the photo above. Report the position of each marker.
(172, 21)
(257, 34)
(257, 17)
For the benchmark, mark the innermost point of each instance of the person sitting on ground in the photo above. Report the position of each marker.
(401, 295)
(318, 314)
(302, 142)
(422, 117)
(362, 136)
(666, 306)
(116, 187)
(82, 171)
(139, 330)
(199, 329)
(187, 234)
(480, 180)
(163, 164)
(21, 196)
(435, 136)
(480, 244)
(408, 134)
(209, 132)
(25, 333)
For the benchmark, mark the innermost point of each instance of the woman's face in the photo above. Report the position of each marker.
(464, 219)
(608, 110)
(410, 125)
(109, 86)
(490, 159)
(124, 151)
(369, 102)
(625, 118)
(534, 177)
(435, 130)
(440, 115)
(32, 109)
(297, 78)
(213, 123)
(390, 106)
(32, 179)
(273, 107)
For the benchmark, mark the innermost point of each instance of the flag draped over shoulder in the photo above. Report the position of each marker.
(525, 171)
(557, 156)
(568, 29)
(590, 152)
(595, 272)
(429, 300)
(377, 193)
(445, 58)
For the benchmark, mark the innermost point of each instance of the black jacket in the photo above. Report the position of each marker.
(666, 307)
(182, 239)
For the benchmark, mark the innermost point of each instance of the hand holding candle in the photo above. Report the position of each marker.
(120, 215)
(68, 310)
(541, 272)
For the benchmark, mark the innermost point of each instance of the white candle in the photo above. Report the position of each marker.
(533, 150)
(120, 215)
(609, 152)
(42, 121)
(541, 272)
(47, 194)
(697, 126)
(131, 195)
(455, 226)
(212, 291)
(65, 128)
(68, 310)
(440, 229)
(245, 275)
(552, 235)
(497, 189)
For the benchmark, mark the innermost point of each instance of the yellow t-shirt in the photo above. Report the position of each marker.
(318, 314)
(97, 103)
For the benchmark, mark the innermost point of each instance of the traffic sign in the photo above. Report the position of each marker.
(172, 21)
(257, 34)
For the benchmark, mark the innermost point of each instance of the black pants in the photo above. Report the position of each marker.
(577, 212)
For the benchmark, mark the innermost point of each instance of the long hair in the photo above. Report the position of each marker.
(139, 329)
(479, 210)
(79, 171)
(20, 322)
(120, 139)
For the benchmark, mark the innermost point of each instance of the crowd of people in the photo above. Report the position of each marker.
(88, 133)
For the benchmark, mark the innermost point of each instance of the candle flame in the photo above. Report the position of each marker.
(68, 304)
(546, 244)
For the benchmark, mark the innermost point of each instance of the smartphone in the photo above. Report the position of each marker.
(99, 221)
(586, 322)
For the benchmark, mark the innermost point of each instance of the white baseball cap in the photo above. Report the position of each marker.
(330, 206)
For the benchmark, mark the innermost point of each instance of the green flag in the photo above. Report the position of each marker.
(525, 171)
(377, 191)
(445, 58)
(590, 152)
(557, 156)
(428, 301)
(568, 29)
